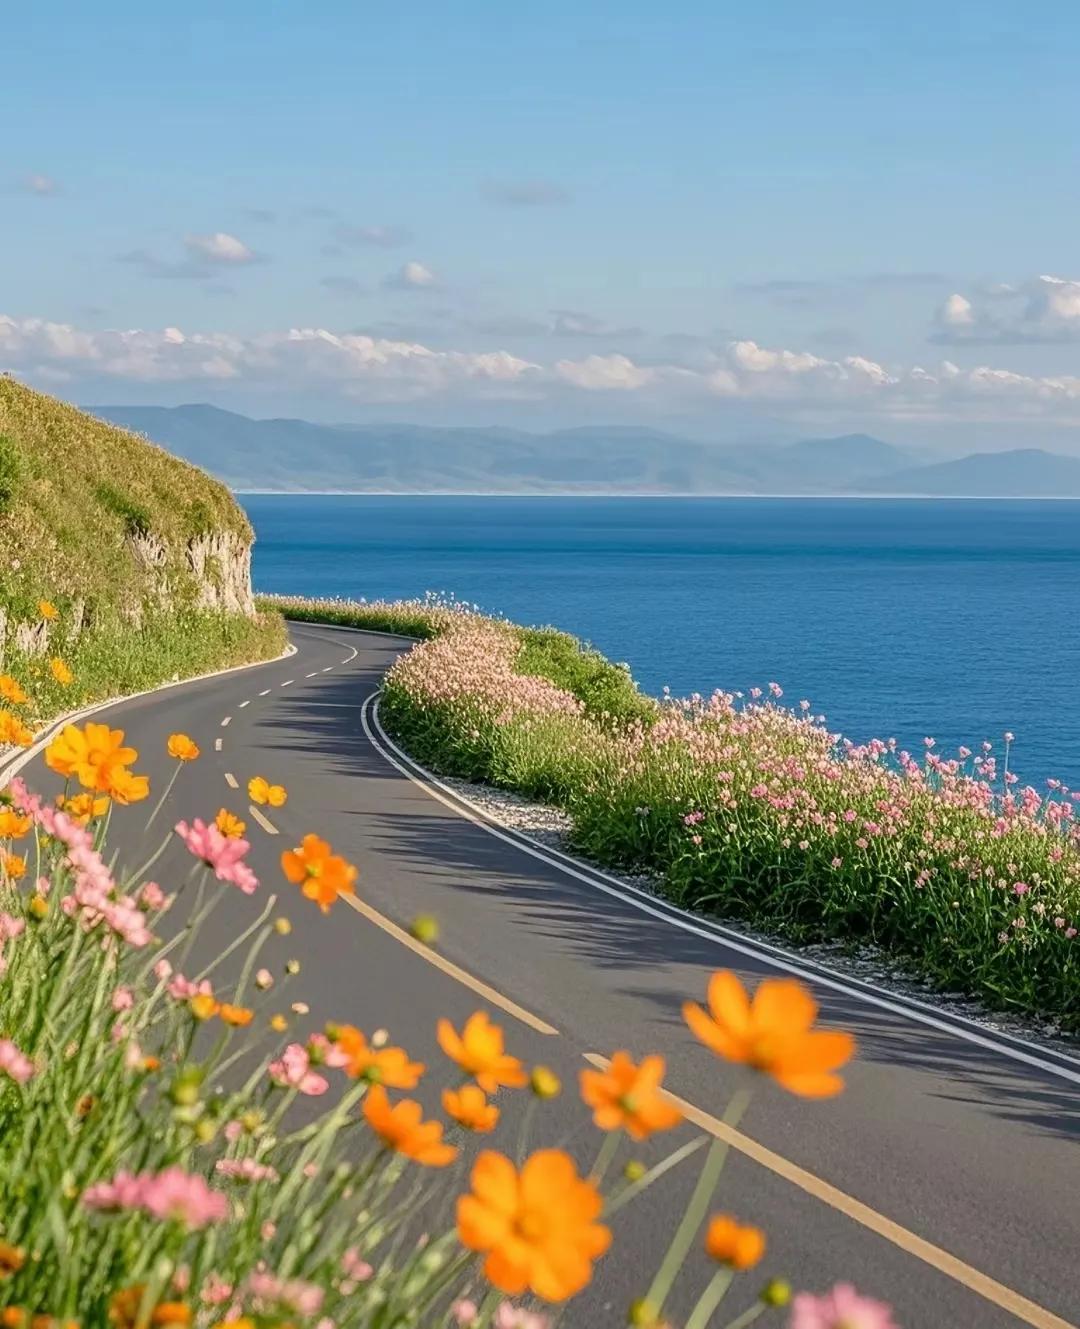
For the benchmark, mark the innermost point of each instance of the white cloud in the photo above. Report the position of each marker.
(411, 276)
(395, 369)
(220, 247)
(1046, 309)
(42, 185)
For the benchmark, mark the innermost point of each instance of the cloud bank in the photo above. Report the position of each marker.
(1044, 310)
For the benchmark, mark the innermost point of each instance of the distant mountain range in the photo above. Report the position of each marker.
(297, 456)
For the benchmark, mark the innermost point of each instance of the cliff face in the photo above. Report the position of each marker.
(107, 527)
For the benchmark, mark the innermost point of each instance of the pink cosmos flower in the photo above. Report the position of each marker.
(509, 1316)
(183, 1197)
(293, 1293)
(215, 1290)
(152, 897)
(123, 999)
(11, 927)
(123, 1192)
(293, 1070)
(465, 1313)
(245, 1169)
(15, 1064)
(183, 989)
(842, 1308)
(355, 1266)
(223, 855)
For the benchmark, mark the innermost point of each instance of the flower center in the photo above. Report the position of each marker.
(530, 1226)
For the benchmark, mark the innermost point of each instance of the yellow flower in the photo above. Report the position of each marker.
(182, 748)
(95, 755)
(48, 610)
(12, 825)
(82, 807)
(278, 1023)
(230, 825)
(772, 1033)
(238, 1016)
(203, 1006)
(11, 691)
(478, 1050)
(469, 1108)
(61, 672)
(14, 867)
(730, 1243)
(544, 1082)
(12, 730)
(261, 791)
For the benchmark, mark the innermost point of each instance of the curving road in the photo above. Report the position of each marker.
(946, 1179)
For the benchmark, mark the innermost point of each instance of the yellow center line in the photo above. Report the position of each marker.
(231, 780)
(267, 825)
(984, 1286)
(448, 967)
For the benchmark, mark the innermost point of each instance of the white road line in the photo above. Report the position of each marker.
(245, 703)
(265, 692)
(312, 674)
(268, 826)
(327, 669)
(231, 780)
(217, 744)
(968, 1031)
(287, 682)
(226, 721)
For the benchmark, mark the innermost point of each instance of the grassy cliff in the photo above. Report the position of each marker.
(123, 562)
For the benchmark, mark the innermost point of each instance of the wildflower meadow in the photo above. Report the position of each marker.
(751, 808)
(178, 1151)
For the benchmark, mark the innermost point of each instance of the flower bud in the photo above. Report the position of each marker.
(634, 1170)
(282, 927)
(775, 1293)
(425, 929)
(643, 1315)
(545, 1083)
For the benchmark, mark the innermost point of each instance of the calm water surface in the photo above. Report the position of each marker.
(955, 619)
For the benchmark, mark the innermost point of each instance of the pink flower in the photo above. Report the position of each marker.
(293, 1070)
(355, 1266)
(759, 791)
(123, 1192)
(123, 999)
(183, 1197)
(215, 1291)
(465, 1313)
(11, 927)
(293, 1293)
(183, 989)
(509, 1316)
(1070, 933)
(220, 853)
(1021, 888)
(152, 896)
(245, 1169)
(842, 1308)
(15, 1064)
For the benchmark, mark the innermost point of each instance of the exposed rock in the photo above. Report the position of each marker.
(221, 564)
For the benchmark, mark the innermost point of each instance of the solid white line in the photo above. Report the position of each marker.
(231, 780)
(224, 722)
(217, 744)
(268, 826)
(599, 881)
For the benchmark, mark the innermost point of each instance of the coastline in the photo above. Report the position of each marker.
(602, 493)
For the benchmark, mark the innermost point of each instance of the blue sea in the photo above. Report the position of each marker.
(954, 619)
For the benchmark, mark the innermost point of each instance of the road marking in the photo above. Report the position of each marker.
(312, 674)
(217, 744)
(287, 683)
(267, 825)
(448, 967)
(265, 692)
(685, 922)
(909, 1242)
(231, 780)
(245, 703)
(224, 722)
(327, 669)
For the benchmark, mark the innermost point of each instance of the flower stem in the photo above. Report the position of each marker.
(710, 1299)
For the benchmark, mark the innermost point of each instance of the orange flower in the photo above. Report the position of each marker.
(229, 824)
(10, 690)
(772, 1033)
(48, 610)
(182, 748)
(13, 731)
(124, 1309)
(204, 1006)
(627, 1097)
(82, 807)
(13, 866)
(402, 1129)
(729, 1243)
(61, 672)
(12, 825)
(478, 1050)
(261, 791)
(321, 874)
(469, 1108)
(96, 756)
(538, 1227)
(12, 1259)
(236, 1015)
(389, 1066)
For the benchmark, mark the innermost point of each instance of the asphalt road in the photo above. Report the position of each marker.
(946, 1179)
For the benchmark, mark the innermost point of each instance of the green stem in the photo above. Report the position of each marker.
(710, 1299)
(748, 1316)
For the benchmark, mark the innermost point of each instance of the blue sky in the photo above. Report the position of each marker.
(732, 220)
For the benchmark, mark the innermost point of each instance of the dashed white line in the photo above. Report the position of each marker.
(287, 683)
(245, 703)
(226, 721)
(231, 780)
(268, 826)
(312, 674)
(265, 692)
(217, 744)
(327, 669)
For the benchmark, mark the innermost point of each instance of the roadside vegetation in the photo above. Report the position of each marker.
(184, 1143)
(751, 809)
(120, 566)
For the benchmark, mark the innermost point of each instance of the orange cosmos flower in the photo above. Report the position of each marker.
(772, 1033)
(126, 787)
(12, 825)
(239, 1016)
(82, 807)
(124, 1309)
(261, 791)
(730, 1243)
(13, 866)
(13, 731)
(389, 1066)
(478, 1050)
(12, 1259)
(48, 610)
(627, 1097)
(469, 1108)
(95, 755)
(230, 825)
(403, 1129)
(321, 874)
(204, 1006)
(182, 748)
(538, 1226)
(61, 672)
(10, 690)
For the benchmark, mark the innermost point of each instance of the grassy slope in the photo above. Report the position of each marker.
(77, 499)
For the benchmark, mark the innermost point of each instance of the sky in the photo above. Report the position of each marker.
(741, 222)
